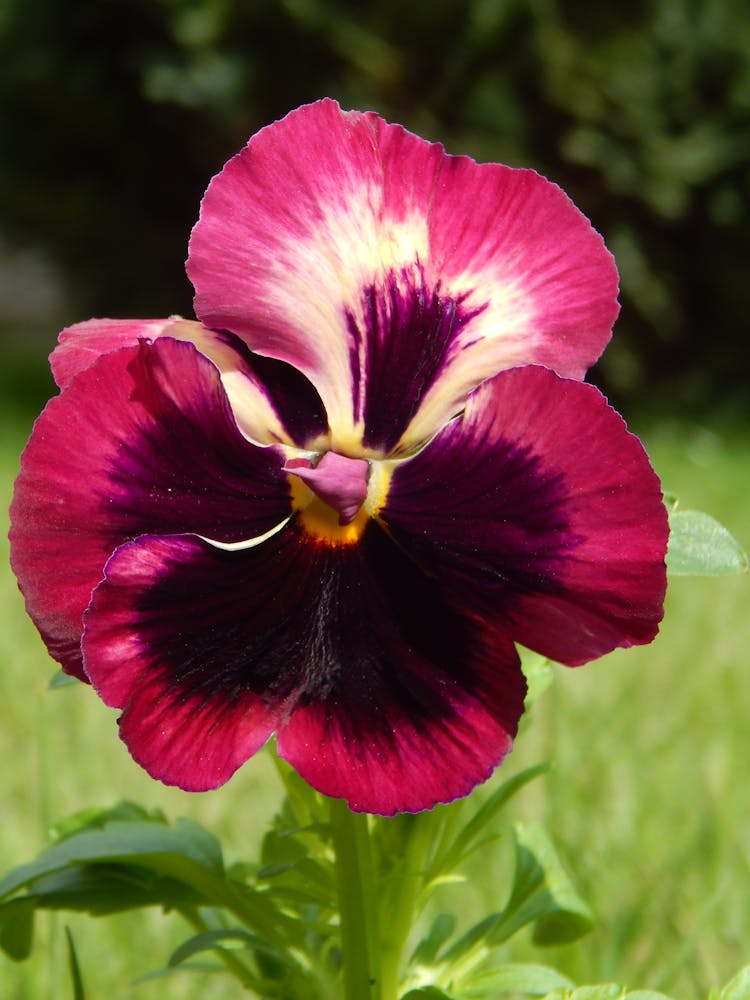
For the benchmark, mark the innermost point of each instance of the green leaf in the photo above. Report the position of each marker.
(96, 818)
(61, 679)
(539, 673)
(737, 988)
(139, 863)
(646, 995)
(232, 938)
(17, 929)
(466, 840)
(103, 889)
(75, 969)
(180, 970)
(535, 980)
(605, 991)
(542, 893)
(175, 851)
(442, 928)
(700, 546)
(426, 993)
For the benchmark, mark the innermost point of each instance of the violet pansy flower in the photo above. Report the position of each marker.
(329, 508)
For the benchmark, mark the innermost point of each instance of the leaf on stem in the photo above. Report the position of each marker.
(604, 991)
(738, 988)
(543, 893)
(514, 978)
(468, 838)
(700, 546)
(231, 938)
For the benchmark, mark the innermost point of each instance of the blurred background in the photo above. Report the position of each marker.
(113, 116)
(115, 113)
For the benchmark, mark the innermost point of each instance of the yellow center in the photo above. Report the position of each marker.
(319, 520)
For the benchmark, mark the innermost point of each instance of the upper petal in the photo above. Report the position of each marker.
(396, 277)
(380, 693)
(538, 509)
(272, 402)
(144, 440)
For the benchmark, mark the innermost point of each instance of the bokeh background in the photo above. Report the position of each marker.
(114, 114)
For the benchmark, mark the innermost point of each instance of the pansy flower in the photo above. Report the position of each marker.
(329, 508)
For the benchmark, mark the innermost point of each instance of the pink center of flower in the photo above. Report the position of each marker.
(339, 481)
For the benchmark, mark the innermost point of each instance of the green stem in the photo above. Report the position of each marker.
(401, 903)
(360, 944)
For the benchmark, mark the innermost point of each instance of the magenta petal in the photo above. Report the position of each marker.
(158, 645)
(396, 277)
(538, 509)
(142, 441)
(380, 693)
(271, 401)
(80, 345)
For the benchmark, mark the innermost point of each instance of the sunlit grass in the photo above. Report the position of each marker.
(648, 798)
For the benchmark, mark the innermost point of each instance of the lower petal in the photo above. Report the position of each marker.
(380, 693)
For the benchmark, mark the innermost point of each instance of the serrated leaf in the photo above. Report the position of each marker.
(700, 546)
(17, 929)
(738, 988)
(535, 980)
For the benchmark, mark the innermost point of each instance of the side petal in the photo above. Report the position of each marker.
(144, 440)
(539, 510)
(379, 692)
(272, 402)
(395, 276)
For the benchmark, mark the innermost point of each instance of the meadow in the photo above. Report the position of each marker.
(648, 797)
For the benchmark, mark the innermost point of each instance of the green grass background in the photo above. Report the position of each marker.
(648, 799)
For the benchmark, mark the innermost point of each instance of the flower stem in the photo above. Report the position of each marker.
(360, 945)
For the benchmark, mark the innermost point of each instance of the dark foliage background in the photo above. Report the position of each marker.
(114, 114)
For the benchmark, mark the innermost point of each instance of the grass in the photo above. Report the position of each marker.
(648, 798)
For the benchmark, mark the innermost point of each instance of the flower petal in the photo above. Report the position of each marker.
(161, 641)
(272, 402)
(421, 274)
(539, 510)
(142, 441)
(380, 693)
